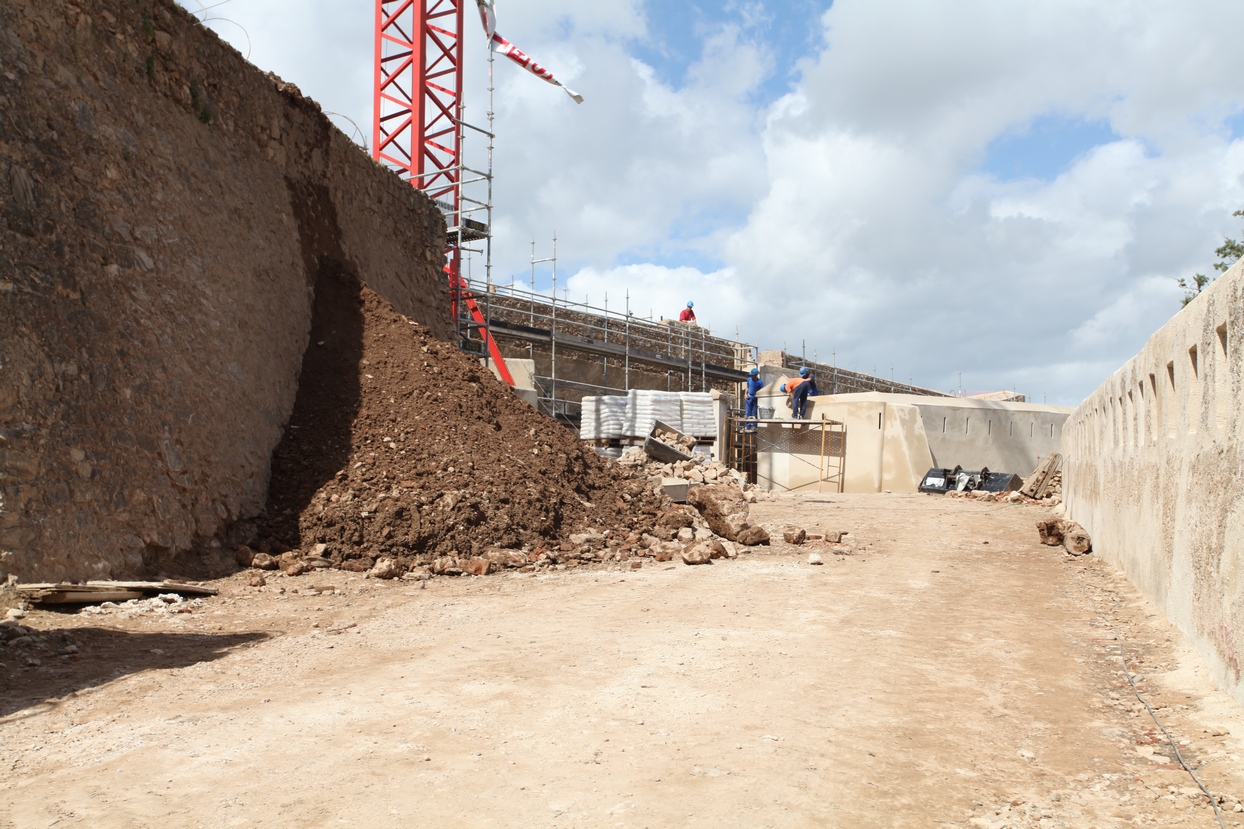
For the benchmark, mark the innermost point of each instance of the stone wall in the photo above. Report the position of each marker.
(1155, 471)
(833, 380)
(165, 210)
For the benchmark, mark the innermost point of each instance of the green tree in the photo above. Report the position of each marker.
(1228, 253)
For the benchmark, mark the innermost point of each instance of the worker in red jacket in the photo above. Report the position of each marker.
(687, 315)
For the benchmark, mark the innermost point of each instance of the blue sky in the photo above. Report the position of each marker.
(1045, 147)
(870, 176)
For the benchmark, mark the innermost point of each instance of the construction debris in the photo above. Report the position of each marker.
(668, 445)
(96, 592)
(1046, 481)
(401, 447)
(795, 535)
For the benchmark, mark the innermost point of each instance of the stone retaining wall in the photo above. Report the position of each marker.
(165, 209)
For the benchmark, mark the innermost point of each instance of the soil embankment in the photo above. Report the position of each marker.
(401, 446)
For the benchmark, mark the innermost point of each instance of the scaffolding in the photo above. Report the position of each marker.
(629, 351)
(749, 439)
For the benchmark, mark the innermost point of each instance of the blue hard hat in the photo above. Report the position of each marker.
(754, 372)
(690, 304)
(783, 387)
(803, 372)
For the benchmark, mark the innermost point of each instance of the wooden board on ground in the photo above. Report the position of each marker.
(93, 592)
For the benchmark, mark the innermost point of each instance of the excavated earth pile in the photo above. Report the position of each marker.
(402, 447)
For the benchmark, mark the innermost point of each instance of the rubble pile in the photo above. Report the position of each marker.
(674, 439)
(404, 458)
(1052, 498)
(163, 604)
(403, 450)
(695, 471)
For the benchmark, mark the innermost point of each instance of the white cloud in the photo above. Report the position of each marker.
(853, 212)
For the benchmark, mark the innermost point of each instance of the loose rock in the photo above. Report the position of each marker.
(697, 554)
(263, 561)
(753, 537)
(385, 568)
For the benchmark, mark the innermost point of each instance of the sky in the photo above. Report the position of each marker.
(982, 194)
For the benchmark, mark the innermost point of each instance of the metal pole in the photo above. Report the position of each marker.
(553, 346)
(491, 131)
(703, 362)
(626, 376)
(686, 350)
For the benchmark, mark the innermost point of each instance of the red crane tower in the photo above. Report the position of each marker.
(417, 127)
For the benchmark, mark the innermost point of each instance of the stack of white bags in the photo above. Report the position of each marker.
(603, 417)
(645, 408)
(697, 415)
(611, 417)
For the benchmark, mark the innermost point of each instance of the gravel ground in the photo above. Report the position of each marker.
(939, 669)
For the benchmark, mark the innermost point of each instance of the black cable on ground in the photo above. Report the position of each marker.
(1127, 671)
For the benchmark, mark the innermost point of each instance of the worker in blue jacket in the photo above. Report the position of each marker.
(754, 385)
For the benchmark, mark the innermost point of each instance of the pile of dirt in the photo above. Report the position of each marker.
(402, 447)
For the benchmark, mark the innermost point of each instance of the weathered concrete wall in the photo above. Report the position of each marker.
(165, 209)
(1155, 473)
(893, 439)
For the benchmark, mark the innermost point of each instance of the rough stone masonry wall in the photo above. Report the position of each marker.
(165, 210)
(1154, 470)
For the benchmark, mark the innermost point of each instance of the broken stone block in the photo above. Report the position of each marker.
(697, 554)
(1076, 539)
(478, 566)
(385, 568)
(298, 568)
(446, 566)
(1051, 531)
(255, 579)
(723, 507)
(794, 535)
(244, 556)
(666, 550)
(507, 558)
(675, 518)
(815, 558)
(263, 561)
(753, 537)
(686, 535)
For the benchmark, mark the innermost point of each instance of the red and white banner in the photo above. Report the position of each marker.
(502, 46)
(488, 16)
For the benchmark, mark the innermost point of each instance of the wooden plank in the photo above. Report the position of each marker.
(1038, 477)
(1056, 463)
(161, 586)
(89, 596)
(98, 591)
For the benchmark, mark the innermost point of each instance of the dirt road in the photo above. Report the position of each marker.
(950, 672)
